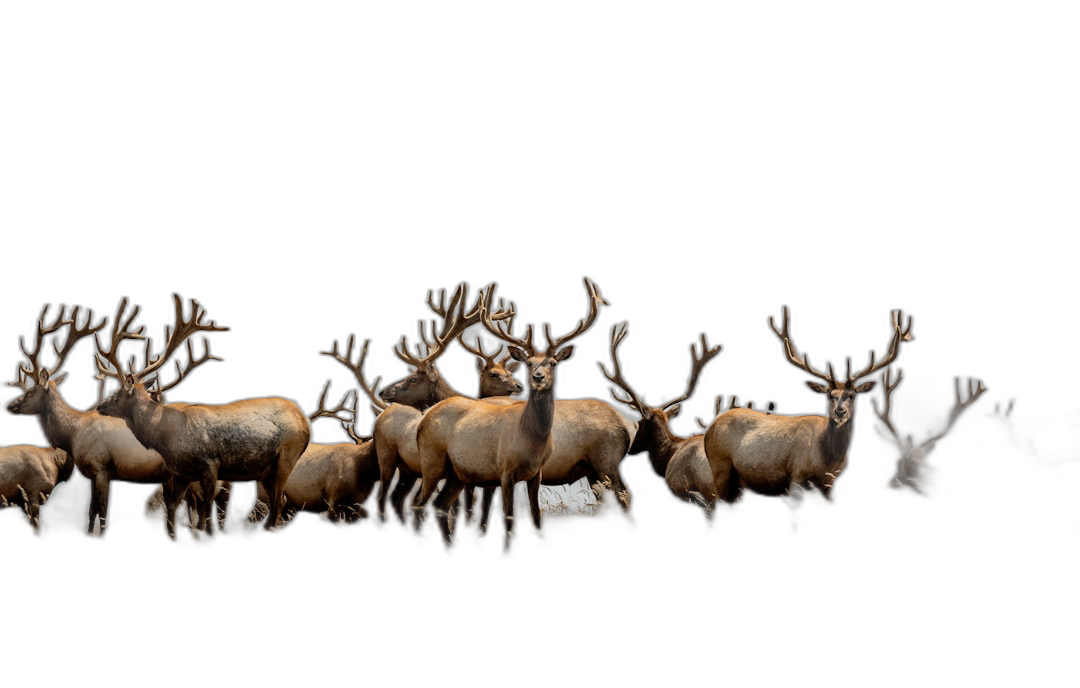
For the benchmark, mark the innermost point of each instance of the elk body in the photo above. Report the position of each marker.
(773, 454)
(103, 448)
(680, 461)
(28, 476)
(252, 439)
(402, 404)
(485, 443)
(909, 467)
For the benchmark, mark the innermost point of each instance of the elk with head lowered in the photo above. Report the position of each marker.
(680, 461)
(28, 476)
(478, 442)
(773, 454)
(252, 439)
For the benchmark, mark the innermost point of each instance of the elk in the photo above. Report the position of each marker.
(28, 476)
(913, 457)
(400, 406)
(103, 448)
(773, 454)
(252, 439)
(335, 479)
(478, 442)
(681, 462)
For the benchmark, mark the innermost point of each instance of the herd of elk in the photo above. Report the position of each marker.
(424, 430)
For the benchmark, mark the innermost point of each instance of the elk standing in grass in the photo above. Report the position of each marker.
(28, 476)
(477, 442)
(681, 462)
(103, 449)
(253, 439)
(913, 456)
(401, 405)
(774, 454)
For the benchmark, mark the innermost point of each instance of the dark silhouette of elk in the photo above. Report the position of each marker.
(774, 454)
(103, 449)
(479, 442)
(679, 461)
(28, 476)
(909, 467)
(400, 406)
(253, 439)
(335, 479)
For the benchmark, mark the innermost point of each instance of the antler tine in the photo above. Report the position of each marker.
(43, 331)
(595, 300)
(193, 363)
(75, 333)
(900, 334)
(479, 350)
(698, 363)
(323, 412)
(618, 333)
(22, 379)
(975, 389)
(503, 328)
(357, 370)
(792, 353)
(180, 332)
(121, 330)
(884, 413)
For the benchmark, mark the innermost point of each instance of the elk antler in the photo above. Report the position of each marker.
(698, 363)
(176, 335)
(348, 423)
(504, 329)
(121, 330)
(900, 334)
(975, 389)
(27, 376)
(595, 299)
(889, 384)
(455, 320)
(618, 333)
(181, 373)
(793, 353)
(489, 359)
(357, 369)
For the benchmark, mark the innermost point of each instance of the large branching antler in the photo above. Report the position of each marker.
(121, 330)
(454, 321)
(975, 389)
(698, 363)
(348, 421)
(489, 359)
(357, 369)
(885, 412)
(595, 300)
(901, 333)
(618, 333)
(76, 332)
(175, 335)
(503, 329)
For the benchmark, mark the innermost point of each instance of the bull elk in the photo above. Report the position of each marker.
(680, 461)
(401, 405)
(478, 442)
(103, 449)
(772, 454)
(252, 439)
(913, 456)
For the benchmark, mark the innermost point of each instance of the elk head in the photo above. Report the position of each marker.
(424, 386)
(496, 376)
(135, 385)
(38, 382)
(541, 366)
(841, 395)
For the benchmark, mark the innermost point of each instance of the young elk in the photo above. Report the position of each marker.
(253, 439)
(28, 476)
(681, 462)
(772, 454)
(401, 405)
(478, 442)
(913, 457)
(103, 449)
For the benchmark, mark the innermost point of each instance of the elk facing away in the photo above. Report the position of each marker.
(479, 442)
(772, 454)
(28, 476)
(913, 456)
(401, 405)
(253, 439)
(104, 449)
(680, 461)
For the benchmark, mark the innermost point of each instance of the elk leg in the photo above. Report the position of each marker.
(262, 504)
(101, 486)
(533, 486)
(33, 511)
(485, 507)
(405, 482)
(508, 506)
(173, 493)
(95, 505)
(444, 507)
(275, 488)
(470, 501)
(427, 488)
(208, 484)
(388, 460)
(617, 486)
(221, 500)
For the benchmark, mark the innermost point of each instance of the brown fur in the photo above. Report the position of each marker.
(28, 476)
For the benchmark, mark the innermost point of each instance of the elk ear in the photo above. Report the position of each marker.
(865, 387)
(563, 354)
(817, 387)
(43, 377)
(60, 379)
(518, 354)
(513, 366)
(480, 365)
(674, 410)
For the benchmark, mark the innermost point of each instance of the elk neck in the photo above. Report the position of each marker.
(153, 424)
(65, 465)
(58, 421)
(834, 442)
(539, 413)
(440, 391)
(657, 439)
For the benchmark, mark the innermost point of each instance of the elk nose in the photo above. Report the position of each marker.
(537, 377)
(13, 406)
(841, 411)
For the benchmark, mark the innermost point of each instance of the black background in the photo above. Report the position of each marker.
(300, 219)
